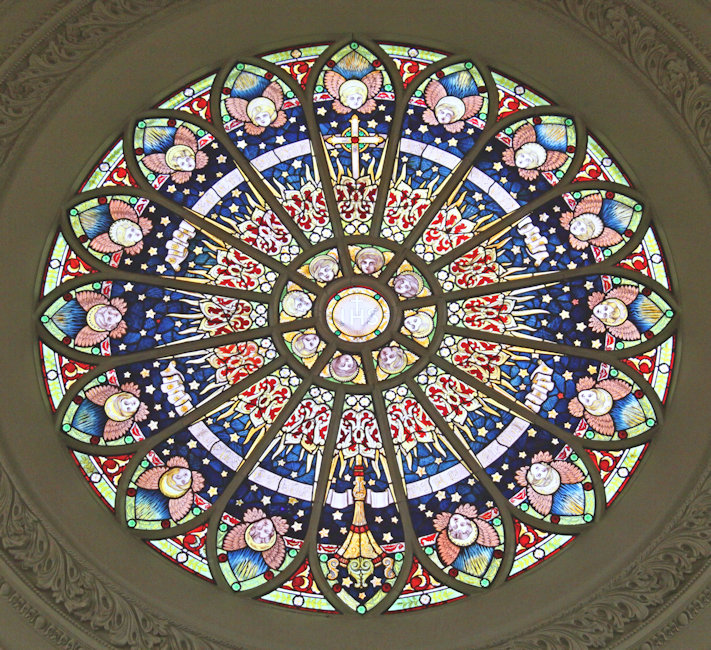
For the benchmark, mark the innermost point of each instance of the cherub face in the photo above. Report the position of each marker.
(354, 100)
(344, 366)
(262, 119)
(406, 285)
(460, 529)
(125, 232)
(184, 160)
(261, 534)
(611, 312)
(596, 401)
(183, 477)
(444, 115)
(306, 344)
(391, 359)
(324, 272)
(297, 304)
(107, 317)
(370, 262)
(412, 323)
(353, 94)
(587, 397)
(530, 156)
(539, 471)
(543, 478)
(128, 403)
(586, 226)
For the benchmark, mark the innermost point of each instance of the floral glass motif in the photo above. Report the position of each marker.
(357, 327)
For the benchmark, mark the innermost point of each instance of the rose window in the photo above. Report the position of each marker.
(356, 328)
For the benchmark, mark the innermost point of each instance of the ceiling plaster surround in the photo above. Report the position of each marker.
(636, 72)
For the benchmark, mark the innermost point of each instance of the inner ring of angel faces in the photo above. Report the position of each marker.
(361, 314)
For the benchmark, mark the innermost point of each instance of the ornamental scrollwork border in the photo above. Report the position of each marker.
(626, 605)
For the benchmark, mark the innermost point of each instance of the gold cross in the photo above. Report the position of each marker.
(355, 140)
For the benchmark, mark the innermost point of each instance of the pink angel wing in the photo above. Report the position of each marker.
(333, 81)
(589, 205)
(603, 424)
(118, 331)
(200, 159)
(279, 120)
(487, 534)
(149, 479)
(237, 108)
(181, 177)
(145, 225)
(180, 507)
(280, 525)
(577, 244)
(234, 540)
(595, 298)
(472, 104)
(373, 82)
(253, 129)
(528, 174)
(626, 331)
(447, 551)
(616, 387)
(198, 482)
(253, 514)
(596, 325)
(274, 92)
(584, 383)
(177, 461)
(524, 134)
(565, 220)
(468, 510)
(508, 157)
(87, 337)
(183, 135)
(102, 243)
(575, 408)
(626, 294)
(428, 117)
(553, 160)
(441, 521)
(141, 413)
(274, 556)
(122, 210)
(120, 304)
(135, 249)
(156, 163)
(608, 237)
(368, 107)
(542, 457)
(131, 387)
(99, 394)
(114, 430)
(569, 473)
(434, 92)
(541, 503)
(454, 127)
(521, 476)
(89, 299)
(340, 108)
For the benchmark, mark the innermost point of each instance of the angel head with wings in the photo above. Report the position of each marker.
(449, 110)
(104, 318)
(126, 231)
(176, 482)
(256, 111)
(544, 478)
(529, 156)
(180, 160)
(122, 407)
(610, 311)
(353, 84)
(586, 227)
(460, 530)
(261, 534)
(595, 400)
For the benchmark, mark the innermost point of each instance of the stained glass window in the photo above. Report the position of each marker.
(357, 328)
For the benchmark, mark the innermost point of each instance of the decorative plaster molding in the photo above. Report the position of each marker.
(627, 604)
(681, 620)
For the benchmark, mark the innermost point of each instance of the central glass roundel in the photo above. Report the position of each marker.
(357, 314)
(374, 328)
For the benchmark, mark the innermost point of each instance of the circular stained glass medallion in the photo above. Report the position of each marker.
(357, 327)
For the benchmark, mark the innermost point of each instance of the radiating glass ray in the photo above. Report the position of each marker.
(586, 397)
(360, 538)
(110, 171)
(265, 522)
(134, 234)
(616, 467)
(647, 259)
(187, 550)
(182, 476)
(354, 104)
(534, 470)
(422, 590)
(63, 264)
(300, 592)
(194, 98)
(186, 164)
(534, 545)
(443, 121)
(453, 515)
(574, 230)
(103, 473)
(118, 317)
(515, 96)
(656, 366)
(135, 401)
(599, 166)
(59, 373)
(597, 311)
(409, 60)
(297, 62)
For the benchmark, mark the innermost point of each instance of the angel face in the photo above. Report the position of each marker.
(125, 232)
(175, 482)
(543, 478)
(449, 109)
(323, 269)
(406, 285)
(419, 324)
(296, 304)
(413, 323)
(262, 111)
(260, 535)
(104, 318)
(611, 311)
(392, 359)
(344, 367)
(586, 226)
(461, 530)
(121, 406)
(353, 93)
(370, 260)
(181, 158)
(305, 345)
(596, 401)
(530, 156)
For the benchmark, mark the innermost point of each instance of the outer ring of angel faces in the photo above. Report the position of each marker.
(390, 358)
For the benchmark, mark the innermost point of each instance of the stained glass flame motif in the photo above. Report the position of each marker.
(357, 328)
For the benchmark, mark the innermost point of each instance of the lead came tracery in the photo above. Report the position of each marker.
(360, 327)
